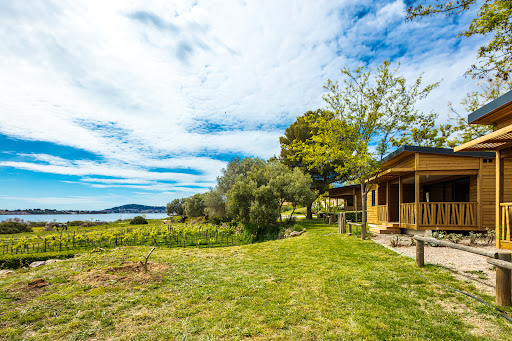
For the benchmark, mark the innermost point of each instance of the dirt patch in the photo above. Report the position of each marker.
(126, 273)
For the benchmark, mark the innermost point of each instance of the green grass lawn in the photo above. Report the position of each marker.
(298, 211)
(319, 286)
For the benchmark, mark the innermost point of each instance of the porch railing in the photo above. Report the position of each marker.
(382, 213)
(408, 213)
(504, 232)
(448, 214)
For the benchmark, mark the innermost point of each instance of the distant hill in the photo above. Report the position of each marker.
(134, 208)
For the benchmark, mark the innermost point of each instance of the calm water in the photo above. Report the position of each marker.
(64, 218)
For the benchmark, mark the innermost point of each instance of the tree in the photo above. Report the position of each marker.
(214, 202)
(257, 198)
(235, 168)
(301, 131)
(175, 207)
(194, 205)
(290, 185)
(457, 131)
(494, 17)
(367, 113)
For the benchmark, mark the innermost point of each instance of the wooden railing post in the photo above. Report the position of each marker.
(420, 253)
(349, 233)
(503, 282)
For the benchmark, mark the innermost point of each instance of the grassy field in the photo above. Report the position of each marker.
(319, 286)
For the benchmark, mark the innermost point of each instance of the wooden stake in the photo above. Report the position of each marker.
(503, 282)
(420, 253)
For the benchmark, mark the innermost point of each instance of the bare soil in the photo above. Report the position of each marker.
(465, 265)
(126, 273)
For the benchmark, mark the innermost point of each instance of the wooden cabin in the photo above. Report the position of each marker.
(349, 196)
(497, 113)
(423, 188)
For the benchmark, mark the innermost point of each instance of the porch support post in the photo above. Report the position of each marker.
(499, 194)
(417, 198)
(387, 198)
(479, 196)
(400, 194)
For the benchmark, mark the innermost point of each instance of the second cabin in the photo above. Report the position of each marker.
(422, 188)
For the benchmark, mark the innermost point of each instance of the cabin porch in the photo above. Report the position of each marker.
(430, 200)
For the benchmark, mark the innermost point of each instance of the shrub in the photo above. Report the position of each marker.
(352, 216)
(297, 227)
(138, 220)
(14, 226)
(21, 260)
(37, 223)
(454, 237)
(395, 241)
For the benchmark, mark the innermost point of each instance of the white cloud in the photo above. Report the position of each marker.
(170, 84)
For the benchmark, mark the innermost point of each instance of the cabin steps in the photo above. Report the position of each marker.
(386, 229)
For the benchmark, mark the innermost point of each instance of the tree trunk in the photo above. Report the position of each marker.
(309, 212)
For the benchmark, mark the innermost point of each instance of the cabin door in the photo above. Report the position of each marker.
(393, 204)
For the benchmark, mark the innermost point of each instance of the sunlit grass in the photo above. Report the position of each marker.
(320, 285)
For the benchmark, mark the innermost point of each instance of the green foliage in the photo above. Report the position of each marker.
(215, 204)
(352, 216)
(493, 18)
(176, 207)
(15, 261)
(14, 226)
(299, 132)
(367, 113)
(454, 237)
(256, 199)
(138, 220)
(457, 131)
(194, 206)
(236, 167)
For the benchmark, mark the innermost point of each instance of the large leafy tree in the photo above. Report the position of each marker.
(494, 18)
(215, 199)
(175, 207)
(300, 131)
(194, 205)
(256, 199)
(367, 112)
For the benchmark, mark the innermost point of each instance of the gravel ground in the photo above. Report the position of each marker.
(465, 265)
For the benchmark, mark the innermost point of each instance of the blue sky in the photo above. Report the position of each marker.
(113, 102)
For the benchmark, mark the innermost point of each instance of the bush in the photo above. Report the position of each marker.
(138, 220)
(14, 226)
(21, 260)
(298, 228)
(352, 216)
(37, 223)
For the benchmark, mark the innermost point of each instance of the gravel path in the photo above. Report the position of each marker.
(465, 265)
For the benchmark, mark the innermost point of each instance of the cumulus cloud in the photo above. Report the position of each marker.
(150, 86)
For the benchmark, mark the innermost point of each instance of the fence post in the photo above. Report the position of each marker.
(45, 245)
(330, 219)
(420, 253)
(363, 231)
(503, 282)
(349, 233)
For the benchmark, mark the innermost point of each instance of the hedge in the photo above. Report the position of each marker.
(21, 260)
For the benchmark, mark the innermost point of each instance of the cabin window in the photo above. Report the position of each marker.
(373, 198)
(487, 160)
(350, 202)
